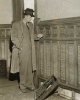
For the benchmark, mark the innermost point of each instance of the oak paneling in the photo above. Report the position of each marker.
(4, 44)
(60, 51)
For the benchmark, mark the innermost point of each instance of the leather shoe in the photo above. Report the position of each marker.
(31, 88)
(23, 90)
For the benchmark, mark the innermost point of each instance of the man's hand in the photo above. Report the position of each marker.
(39, 36)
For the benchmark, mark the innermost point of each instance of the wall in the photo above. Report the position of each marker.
(55, 9)
(28, 4)
(6, 15)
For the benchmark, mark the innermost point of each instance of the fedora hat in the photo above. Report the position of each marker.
(29, 11)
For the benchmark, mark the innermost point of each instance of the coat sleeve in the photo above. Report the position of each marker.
(14, 36)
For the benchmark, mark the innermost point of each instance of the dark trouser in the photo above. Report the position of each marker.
(14, 76)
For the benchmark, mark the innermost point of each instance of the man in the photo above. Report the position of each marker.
(22, 36)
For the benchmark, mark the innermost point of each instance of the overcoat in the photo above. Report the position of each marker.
(17, 38)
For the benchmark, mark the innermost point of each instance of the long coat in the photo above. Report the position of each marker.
(17, 38)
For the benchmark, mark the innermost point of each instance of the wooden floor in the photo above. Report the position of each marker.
(9, 90)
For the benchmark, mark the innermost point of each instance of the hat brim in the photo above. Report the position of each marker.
(30, 10)
(29, 14)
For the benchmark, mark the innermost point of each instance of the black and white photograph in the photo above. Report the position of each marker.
(39, 49)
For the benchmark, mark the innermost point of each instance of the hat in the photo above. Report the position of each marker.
(29, 11)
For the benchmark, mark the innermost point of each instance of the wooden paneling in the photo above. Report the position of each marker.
(4, 43)
(59, 51)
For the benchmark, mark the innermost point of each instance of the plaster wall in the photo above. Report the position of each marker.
(56, 9)
(6, 15)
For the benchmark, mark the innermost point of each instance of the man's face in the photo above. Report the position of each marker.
(28, 18)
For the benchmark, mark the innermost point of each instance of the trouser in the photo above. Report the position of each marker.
(26, 75)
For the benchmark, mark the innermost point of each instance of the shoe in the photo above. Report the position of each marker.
(31, 88)
(23, 90)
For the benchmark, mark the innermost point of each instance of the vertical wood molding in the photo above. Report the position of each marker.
(36, 19)
(35, 8)
(17, 9)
